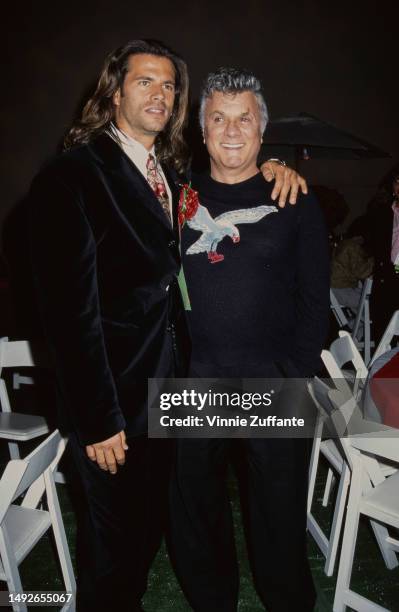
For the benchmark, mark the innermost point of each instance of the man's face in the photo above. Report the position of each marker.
(145, 103)
(232, 134)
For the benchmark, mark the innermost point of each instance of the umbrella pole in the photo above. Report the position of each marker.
(297, 159)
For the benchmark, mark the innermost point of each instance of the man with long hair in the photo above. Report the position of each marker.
(105, 255)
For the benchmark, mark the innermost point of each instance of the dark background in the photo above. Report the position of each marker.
(338, 61)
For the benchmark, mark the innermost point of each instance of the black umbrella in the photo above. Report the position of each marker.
(305, 137)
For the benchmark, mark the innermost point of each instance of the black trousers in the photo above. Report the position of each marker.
(273, 480)
(121, 519)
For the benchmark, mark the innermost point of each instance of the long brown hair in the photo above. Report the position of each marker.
(99, 110)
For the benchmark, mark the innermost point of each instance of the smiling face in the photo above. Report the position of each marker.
(232, 132)
(144, 104)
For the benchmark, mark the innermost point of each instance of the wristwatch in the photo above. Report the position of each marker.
(278, 161)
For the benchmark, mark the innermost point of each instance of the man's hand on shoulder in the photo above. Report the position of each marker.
(109, 453)
(287, 182)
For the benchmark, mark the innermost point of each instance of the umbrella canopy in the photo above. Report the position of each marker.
(308, 137)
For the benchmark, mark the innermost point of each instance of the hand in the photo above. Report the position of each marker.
(109, 453)
(286, 181)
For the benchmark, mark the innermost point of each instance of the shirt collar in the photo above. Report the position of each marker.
(130, 145)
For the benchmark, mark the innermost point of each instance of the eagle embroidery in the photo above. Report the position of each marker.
(214, 230)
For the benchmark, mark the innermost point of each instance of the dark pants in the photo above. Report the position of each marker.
(120, 524)
(273, 480)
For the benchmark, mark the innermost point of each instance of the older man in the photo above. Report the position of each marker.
(258, 279)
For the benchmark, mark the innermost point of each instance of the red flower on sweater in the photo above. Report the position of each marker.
(188, 203)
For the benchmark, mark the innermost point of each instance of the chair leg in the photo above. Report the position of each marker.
(314, 462)
(337, 521)
(13, 449)
(11, 571)
(348, 542)
(367, 338)
(59, 535)
(329, 486)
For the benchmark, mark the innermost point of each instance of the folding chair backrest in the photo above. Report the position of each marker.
(20, 474)
(15, 354)
(342, 352)
(319, 392)
(386, 342)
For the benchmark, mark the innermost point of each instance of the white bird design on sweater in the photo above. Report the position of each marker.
(214, 230)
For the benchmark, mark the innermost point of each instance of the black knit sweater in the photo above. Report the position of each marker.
(258, 280)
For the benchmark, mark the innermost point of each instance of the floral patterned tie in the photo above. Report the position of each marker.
(157, 184)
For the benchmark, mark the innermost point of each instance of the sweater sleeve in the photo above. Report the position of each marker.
(63, 255)
(313, 288)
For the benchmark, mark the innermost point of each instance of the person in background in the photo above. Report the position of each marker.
(350, 266)
(335, 210)
(382, 242)
(395, 229)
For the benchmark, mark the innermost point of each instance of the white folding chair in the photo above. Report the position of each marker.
(363, 322)
(343, 351)
(14, 355)
(18, 354)
(331, 451)
(387, 340)
(328, 545)
(371, 495)
(22, 526)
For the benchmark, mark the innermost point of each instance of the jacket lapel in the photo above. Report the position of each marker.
(175, 191)
(132, 185)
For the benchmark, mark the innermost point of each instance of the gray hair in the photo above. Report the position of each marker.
(231, 81)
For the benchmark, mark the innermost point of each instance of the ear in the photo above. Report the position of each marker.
(116, 98)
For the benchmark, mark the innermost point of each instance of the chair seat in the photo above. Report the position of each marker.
(25, 526)
(21, 427)
(383, 501)
(330, 451)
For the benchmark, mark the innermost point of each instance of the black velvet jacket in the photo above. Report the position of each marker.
(105, 260)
